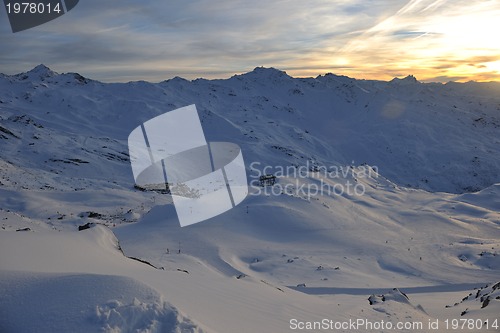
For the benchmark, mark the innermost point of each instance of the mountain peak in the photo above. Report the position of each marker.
(410, 79)
(268, 71)
(42, 70)
(265, 73)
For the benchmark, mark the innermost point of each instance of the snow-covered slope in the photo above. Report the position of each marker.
(82, 301)
(431, 136)
(427, 222)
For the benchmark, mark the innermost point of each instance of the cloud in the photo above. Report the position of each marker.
(430, 39)
(155, 40)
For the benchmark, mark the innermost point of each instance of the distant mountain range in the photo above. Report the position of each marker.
(438, 137)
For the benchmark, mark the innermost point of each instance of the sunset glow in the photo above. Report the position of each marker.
(435, 40)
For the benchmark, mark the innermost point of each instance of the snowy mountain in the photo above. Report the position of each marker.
(427, 221)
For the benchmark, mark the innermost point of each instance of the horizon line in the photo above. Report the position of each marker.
(225, 75)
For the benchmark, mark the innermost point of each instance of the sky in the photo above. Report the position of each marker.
(125, 40)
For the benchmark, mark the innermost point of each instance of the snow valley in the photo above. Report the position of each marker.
(413, 245)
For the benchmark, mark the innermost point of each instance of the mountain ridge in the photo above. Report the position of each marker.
(328, 120)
